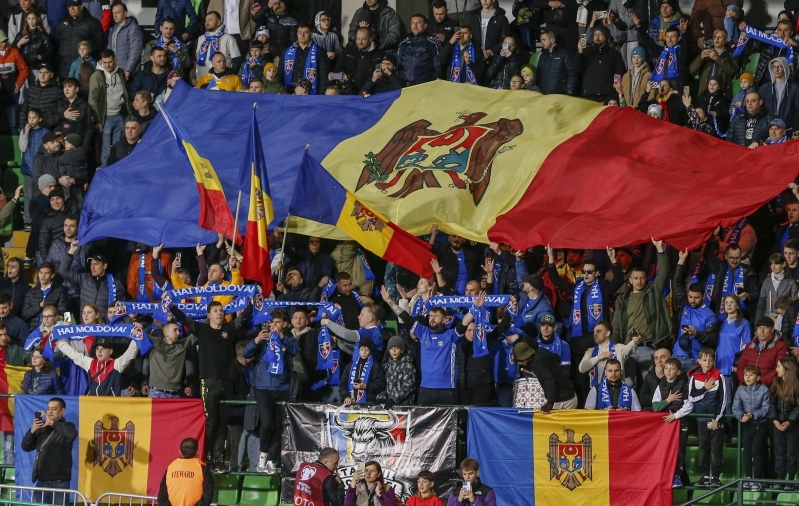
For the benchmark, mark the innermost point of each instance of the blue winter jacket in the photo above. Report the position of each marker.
(265, 380)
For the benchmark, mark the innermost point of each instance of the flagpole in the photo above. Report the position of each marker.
(283, 247)
(238, 200)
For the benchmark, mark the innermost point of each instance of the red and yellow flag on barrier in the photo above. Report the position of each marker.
(10, 383)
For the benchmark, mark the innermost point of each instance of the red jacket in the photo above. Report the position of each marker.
(766, 359)
(12, 62)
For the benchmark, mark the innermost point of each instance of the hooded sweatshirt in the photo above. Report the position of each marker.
(114, 89)
(781, 99)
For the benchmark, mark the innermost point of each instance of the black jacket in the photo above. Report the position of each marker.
(546, 367)
(146, 80)
(71, 31)
(73, 163)
(742, 123)
(449, 265)
(674, 105)
(418, 59)
(498, 27)
(31, 309)
(375, 384)
(751, 281)
(55, 458)
(16, 290)
(502, 69)
(382, 85)
(789, 105)
(42, 98)
(478, 66)
(556, 72)
(282, 31)
(598, 65)
(608, 289)
(120, 150)
(359, 65)
(38, 49)
(52, 229)
(323, 68)
(782, 410)
(81, 126)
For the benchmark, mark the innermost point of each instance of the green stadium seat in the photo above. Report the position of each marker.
(9, 475)
(787, 498)
(679, 496)
(534, 59)
(15, 162)
(393, 325)
(226, 489)
(692, 463)
(260, 491)
(754, 498)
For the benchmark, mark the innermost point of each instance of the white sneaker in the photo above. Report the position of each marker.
(262, 463)
(270, 467)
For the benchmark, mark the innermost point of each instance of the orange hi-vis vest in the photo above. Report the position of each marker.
(184, 481)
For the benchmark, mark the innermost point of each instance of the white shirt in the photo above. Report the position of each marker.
(232, 17)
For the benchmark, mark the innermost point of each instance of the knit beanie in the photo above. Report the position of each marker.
(529, 70)
(396, 342)
(44, 180)
(639, 51)
(268, 66)
(749, 77)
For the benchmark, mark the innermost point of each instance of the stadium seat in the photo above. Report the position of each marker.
(722, 497)
(16, 161)
(226, 489)
(787, 498)
(679, 495)
(753, 498)
(260, 491)
(534, 59)
(692, 463)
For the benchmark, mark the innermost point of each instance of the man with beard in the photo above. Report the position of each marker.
(458, 265)
(612, 393)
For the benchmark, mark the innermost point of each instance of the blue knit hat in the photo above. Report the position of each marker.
(639, 51)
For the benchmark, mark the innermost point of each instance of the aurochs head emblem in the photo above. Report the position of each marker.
(465, 153)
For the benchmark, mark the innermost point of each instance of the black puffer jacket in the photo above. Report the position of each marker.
(282, 31)
(359, 64)
(418, 59)
(52, 229)
(759, 124)
(556, 72)
(70, 32)
(502, 69)
(598, 64)
(783, 411)
(38, 49)
(42, 98)
(498, 27)
(31, 309)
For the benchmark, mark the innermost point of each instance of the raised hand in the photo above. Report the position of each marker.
(435, 265)
(658, 245)
(488, 267)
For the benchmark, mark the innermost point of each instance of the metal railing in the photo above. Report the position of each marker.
(18, 495)
(737, 487)
(118, 499)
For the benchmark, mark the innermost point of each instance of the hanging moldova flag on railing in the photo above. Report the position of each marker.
(124, 444)
(575, 457)
(253, 180)
(214, 211)
(319, 197)
(10, 383)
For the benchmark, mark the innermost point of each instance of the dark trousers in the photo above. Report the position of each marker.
(437, 397)
(216, 414)
(711, 445)
(50, 497)
(680, 470)
(753, 440)
(786, 448)
(505, 395)
(480, 394)
(270, 416)
(578, 347)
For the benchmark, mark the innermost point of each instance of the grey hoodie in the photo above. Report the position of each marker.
(114, 90)
(780, 88)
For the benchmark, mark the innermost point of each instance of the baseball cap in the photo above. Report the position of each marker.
(46, 66)
(72, 3)
(99, 257)
(777, 122)
(391, 58)
(547, 319)
(535, 281)
(765, 321)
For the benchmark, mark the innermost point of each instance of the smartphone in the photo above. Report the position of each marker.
(39, 415)
(708, 44)
(686, 90)
(336, 76)
(739, 291)
(684, 328)
(467, 485)
(616, 79)
(584, 38)
(68, 318)
(602, 15)
(177, 256)
(505, 46)
(361, 466)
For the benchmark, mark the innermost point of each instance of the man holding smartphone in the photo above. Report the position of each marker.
(52, 437)
(472, 490)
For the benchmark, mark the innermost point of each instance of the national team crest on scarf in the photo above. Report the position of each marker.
(136, 333)
(113, 447)
(596, 310)
(120, 310)
(464, 153)
(258, 302)
(289, 66)
(570, 462)
(366, 219)
(576, 316)
(324, 349)
(166, 302)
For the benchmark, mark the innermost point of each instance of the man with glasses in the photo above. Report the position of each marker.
(731, 277)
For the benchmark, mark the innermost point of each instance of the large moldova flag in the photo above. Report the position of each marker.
(319, 197)
(214, 211)
(253, 180)
(522, 168)
(575, 457)
(10, 383)
(124, 444)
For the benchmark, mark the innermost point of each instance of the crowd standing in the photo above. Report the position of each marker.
(633, 327)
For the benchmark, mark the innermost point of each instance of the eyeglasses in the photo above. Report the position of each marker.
(733, 258)
(516, 82)
(730, 303)
(588, 271)
(48, 316)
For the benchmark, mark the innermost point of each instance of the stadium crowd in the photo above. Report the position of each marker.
(627, 328)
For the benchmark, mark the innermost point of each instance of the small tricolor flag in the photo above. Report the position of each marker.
(575, 457)
(214, 210)
(253, 179)
(10, 383)
(319, 197)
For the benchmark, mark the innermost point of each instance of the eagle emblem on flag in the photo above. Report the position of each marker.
(570, 462)
(113, 447)
(366, 219)
(465, 153)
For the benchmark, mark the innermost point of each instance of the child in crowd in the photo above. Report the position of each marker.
(364, 378)
(325, 38)
(400, 373)
(708, 394)
(303, 87)
(750, 407)
(747, 80)
(272, 83)
(105, 373)
(84, 65)
(30, 140)
(784, 414)
(73, 170)
(672, 396)
(425, 495)
(254, 66)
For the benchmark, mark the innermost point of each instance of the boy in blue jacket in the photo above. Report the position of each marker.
(750, 407)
